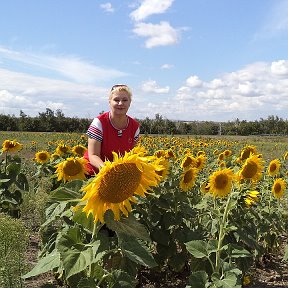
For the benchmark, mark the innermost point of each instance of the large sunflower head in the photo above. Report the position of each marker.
(117, 183)
(279, 187)
(42, 157)
(274, 167)
(188, 178)
(11, 146)
(220, 182)
(71, 169)
(251, 169)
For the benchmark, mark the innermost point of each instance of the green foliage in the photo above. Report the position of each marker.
(13, 244)
(13, 183)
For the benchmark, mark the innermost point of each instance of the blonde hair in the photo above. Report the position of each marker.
(120, 87)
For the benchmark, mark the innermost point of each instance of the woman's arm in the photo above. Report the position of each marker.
(94, 152)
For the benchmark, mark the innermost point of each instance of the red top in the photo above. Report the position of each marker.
(111, 138)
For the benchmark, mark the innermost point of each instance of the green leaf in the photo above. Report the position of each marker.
(65, 194)
(87, 283)
(198, 279)
(53, 211)
(75, 255)
(230, 281)
(129, 226)
(48, 263)
(137, 251)
(121, 279)
(81, 218)
(285, 257)
(22, 182)
(198, 248)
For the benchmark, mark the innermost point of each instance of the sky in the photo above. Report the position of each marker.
(189, 60)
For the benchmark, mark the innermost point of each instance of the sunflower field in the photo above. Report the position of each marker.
(206, 208)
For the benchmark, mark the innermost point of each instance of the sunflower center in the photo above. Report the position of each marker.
(277, 188)
(43, 156)
(120, 183)
(188, 177)
(273, 167)
(221, 181)
(72, 168)
(187, 162)
(249, 170)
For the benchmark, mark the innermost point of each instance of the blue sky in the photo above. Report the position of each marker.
(186, 60)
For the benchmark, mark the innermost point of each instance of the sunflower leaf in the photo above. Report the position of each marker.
(48, 263)
(129, 226)
(136, 251)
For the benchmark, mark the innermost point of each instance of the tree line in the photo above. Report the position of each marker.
(56, 121)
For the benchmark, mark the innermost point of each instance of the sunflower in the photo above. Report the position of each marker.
(285, 157)
(274, 167)
(200, 162)
(279, 187)
(246, 151)
(42, 157)
(220, 182)
(204, 188)
(227, 153)
(187, 179)
(188, 161)
(79, 150)
(11, 146)
(251, 198)
(251, 169)
(62, 149)
(71, 169)
(162, 168)
(117, 183)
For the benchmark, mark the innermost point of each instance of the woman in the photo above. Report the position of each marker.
(112, 131)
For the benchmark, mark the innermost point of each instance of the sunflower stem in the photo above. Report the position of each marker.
(222, 232)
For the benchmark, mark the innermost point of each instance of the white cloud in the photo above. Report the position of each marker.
(158, 34)
(151, 86)
(33, 94)
(71, 67)
(167, 66)
(280, 68)
(249, 93)
(150, 7)
(107, 7)
(194, 81)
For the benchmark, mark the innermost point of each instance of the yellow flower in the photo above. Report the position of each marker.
(251, 198)
(71, 169)
(251, 169)
(274, 167)
(117, 183)
(42, 157)
(220, 182)
(162, 167)
(62, 149)
(188, 161)
(11, 146)
(285, 156)
(187, 179)
(200, 162)
(279, 187)
(79, 150)
(227, 153)
(247, 151)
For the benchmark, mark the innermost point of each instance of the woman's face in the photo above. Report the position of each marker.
(119, 102)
